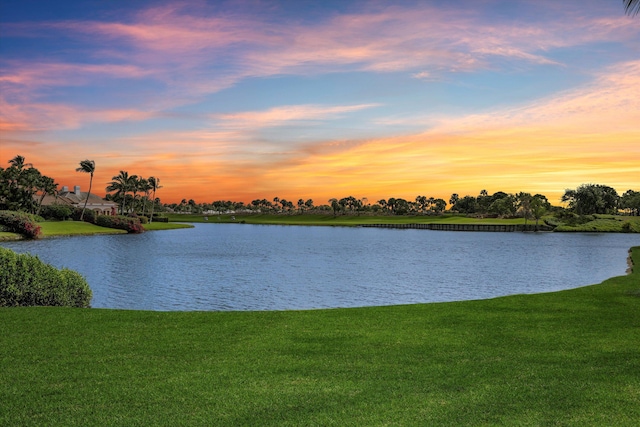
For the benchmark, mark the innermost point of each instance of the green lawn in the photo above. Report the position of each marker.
(608, 224)
(165, 226)
(72, 228)
(6, 235)
(77, 228)
(340, 220)
(568, 358)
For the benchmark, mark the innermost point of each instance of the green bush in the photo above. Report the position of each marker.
(632, 226)
(143, 218)
(27, 281)
(89, 215)
(597, 225)
(21, 223)
(56, 212)
(132, 225)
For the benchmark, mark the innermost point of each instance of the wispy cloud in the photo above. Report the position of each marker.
(176, 46)
(151, 63)
(278, 116)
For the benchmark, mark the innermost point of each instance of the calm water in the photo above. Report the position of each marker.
(253, 267)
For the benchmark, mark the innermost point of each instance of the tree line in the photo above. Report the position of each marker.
(23, 188)
(585, 200)
(134, 193)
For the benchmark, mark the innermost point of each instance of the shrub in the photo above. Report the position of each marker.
(552, 222)
(21, 223)
(631, 227)
(143, 219)
(132, 225)
(89, 215)
(57, 212)
(27, 281)
(573, 220)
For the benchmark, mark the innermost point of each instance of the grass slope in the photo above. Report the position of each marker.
(565, 358)
(340, 220)
(77, 228)
(608, 224)
(74, 228)
(154, 226)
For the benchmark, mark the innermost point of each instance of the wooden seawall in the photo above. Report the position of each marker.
(466, 227)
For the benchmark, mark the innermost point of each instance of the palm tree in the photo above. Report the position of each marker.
(145, 187)
(47, 186)
(631, 7)
(18, 162)
(137, 185)
(87, 166)
(122, 184)
(154, 183)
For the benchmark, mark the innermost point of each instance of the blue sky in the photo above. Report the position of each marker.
(241, 100)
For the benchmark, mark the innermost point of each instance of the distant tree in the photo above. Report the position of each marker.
(121, 184)
(87, 166)
(590, 199)
(391, 204)
(630, 201)
(503, 204)
(422, 203)
(145, 187)
(538, 208)
(467, 204)
(454, 199)
(400, 206)
(335, 206)
(47, 186)
(309, 204)
(154, 183)
(483, 201)
(438, 205)
(523, 201)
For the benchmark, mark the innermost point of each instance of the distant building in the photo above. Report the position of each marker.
(76, 199)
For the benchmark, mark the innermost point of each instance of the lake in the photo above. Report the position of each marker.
(267, 267)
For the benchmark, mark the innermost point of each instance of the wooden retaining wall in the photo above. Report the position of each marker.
(465, 227)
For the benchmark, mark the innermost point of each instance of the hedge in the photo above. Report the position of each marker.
(27, 281)
(56, 212)
(132, 225)
(21, 223)
(89, 215)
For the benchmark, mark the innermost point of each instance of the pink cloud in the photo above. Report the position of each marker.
(280, 115)
(39, 116)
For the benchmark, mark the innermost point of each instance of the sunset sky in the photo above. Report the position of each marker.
(317, 99)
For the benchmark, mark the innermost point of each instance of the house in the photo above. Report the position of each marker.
(76, 199)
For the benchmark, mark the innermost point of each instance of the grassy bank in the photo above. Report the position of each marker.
(601, 224)
(74, 228)
(564, 358)
(155, 226)
(340, 220)
(77, 228)
(605, 224)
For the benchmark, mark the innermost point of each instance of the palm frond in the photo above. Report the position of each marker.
(631, 7)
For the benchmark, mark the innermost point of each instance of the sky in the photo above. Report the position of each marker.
(242, 100)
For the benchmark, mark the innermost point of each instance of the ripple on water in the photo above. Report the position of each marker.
(246, 267)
